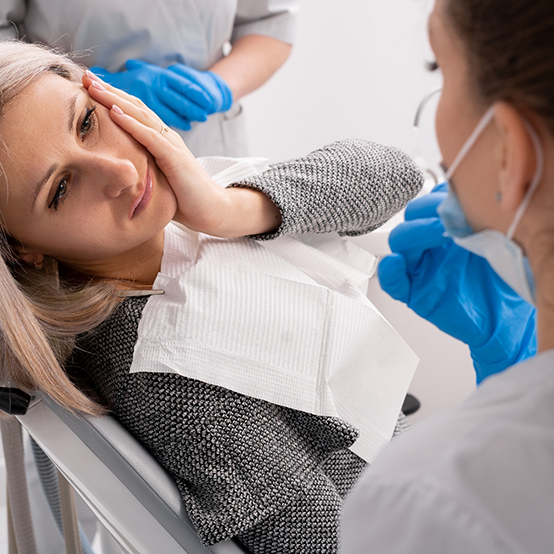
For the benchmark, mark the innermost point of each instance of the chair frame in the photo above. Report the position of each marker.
(126, 488)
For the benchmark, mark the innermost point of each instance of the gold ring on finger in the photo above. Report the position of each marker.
(164, 129)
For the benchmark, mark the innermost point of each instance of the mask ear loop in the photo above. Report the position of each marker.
(539, 152)
(485, 120)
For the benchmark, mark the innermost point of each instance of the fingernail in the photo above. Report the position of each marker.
(117, 110)
(98, 86)
(90, 74)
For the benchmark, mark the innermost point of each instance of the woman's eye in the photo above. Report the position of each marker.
(88, 122)
(61, 192)
(431, 66)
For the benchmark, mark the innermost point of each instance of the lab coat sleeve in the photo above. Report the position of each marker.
(12, 15)
(395, 517)
(271, 18)
(350, 187)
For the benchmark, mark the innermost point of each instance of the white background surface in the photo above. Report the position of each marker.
(357, 71)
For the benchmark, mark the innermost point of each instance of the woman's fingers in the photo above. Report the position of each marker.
(201, 201)
(89, 77)
(115, 95)
(108, 96)
(134, 117)
(199, 198)
(154, 138)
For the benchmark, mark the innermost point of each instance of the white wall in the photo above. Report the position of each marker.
(357, 70)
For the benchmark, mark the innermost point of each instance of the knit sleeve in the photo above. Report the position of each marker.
(350, 187)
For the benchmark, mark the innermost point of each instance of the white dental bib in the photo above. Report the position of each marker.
(284, 321)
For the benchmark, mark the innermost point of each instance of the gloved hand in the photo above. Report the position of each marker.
(456, 290)
(214, 86)
(175, 99)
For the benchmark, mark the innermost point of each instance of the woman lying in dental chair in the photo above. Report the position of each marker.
(93, 191)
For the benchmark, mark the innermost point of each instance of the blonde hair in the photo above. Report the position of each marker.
(39, 316)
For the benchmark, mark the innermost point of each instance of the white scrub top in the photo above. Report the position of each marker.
(476, 479)
(164, 32)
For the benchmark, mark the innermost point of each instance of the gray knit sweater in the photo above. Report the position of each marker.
(270, 476)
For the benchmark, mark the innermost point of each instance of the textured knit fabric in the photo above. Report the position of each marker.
(350, 187)
(244, 467)
(240, 463)
(271, 476)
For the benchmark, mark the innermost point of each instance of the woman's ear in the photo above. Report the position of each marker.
(29, 257)
(517, 156)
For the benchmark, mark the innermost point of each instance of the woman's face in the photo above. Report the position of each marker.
(77, 187)
(475, 181)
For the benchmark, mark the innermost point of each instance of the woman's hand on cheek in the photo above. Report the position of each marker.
(202, 204)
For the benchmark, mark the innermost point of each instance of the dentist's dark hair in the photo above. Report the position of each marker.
(510, 50)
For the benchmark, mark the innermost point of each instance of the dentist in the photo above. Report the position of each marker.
(480, 477)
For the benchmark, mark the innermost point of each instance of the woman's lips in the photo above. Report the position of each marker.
(144, 197)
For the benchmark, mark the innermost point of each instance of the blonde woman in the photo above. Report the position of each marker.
(91, 180)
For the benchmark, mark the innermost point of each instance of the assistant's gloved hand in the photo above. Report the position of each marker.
(214, 86)
(456, 290)
(175, 99)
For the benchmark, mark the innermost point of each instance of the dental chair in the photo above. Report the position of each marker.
(126, 488)
(133, 497)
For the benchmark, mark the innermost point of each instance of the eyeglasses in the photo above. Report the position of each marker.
(423, 103)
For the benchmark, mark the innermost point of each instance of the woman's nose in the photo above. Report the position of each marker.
(117, 175)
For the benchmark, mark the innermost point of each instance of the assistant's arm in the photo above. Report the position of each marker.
(262, 39)
(253, 60)
(350, 187)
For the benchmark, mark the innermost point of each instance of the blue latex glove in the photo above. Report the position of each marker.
(216, 88)
(456, 290)
(177, 100)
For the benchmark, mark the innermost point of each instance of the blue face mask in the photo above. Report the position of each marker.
(503, 254)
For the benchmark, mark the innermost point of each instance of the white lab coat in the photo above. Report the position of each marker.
(476, 479)
(164, 32)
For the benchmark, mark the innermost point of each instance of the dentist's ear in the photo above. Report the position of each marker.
(518, 160)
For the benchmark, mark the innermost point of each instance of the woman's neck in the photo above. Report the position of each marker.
(136, 270)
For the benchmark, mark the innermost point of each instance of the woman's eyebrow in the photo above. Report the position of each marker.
(72, 112)
(71, 120)
(42, 184)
